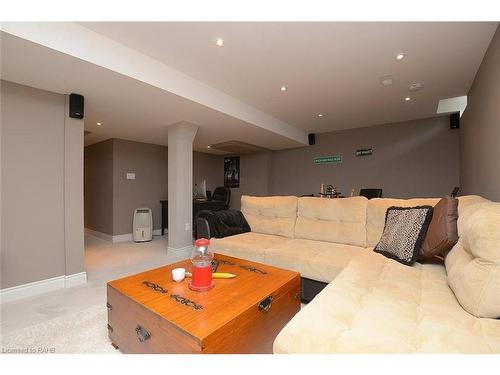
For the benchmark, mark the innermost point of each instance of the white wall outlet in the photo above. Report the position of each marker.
(130, 176)
(187, 226)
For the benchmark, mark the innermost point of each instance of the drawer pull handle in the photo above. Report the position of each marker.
(110, 329)
(265, 304)
(142, 333)
(108, 305)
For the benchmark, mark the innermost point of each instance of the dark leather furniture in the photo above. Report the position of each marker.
(198, 205)
(371, 193)
(220, 224)
(222, 194)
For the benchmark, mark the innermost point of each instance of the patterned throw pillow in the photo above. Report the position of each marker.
(404, 232)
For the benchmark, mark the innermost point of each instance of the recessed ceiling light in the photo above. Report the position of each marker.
(320, 115)
(99, 124)
(400, 56)
(209, 146)
(219, 42)
(407, 99)
(283, 88)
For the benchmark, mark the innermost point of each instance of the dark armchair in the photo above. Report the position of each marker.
(220, 224)
(371, 193)
(222, 194)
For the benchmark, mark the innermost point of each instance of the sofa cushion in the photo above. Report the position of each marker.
(466, 201)
(404, 233)
(333, 220)
(442, 233)
(375, 214)
(375, 218)
(317, 260)
(473, 264)
(270, 215)
(377, 305)
(250, 245)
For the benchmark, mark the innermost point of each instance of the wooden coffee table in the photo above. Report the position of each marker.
(150, 313)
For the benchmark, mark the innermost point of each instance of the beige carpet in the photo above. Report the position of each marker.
(81, 332)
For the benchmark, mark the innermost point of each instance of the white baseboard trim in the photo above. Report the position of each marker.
(122, 238)
(180, 253)
(101, 235)
(42, 286)
(75, 279)
(127, 237)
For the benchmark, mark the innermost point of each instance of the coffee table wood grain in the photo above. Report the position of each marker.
(150, 313)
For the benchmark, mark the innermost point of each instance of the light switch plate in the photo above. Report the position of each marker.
(130, 176)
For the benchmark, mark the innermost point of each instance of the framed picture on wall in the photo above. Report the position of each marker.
(232, 171)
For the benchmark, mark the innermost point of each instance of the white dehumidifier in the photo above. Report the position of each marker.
(143, 225)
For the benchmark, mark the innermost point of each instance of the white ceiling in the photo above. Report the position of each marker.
(332, 68)
(127, 108)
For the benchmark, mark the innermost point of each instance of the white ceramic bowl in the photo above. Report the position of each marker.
(178, 274)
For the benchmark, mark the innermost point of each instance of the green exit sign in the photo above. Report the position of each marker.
(328, 159)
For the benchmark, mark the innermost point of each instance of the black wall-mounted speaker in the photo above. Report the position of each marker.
(76, 106)
(455, 120)
(312, 139)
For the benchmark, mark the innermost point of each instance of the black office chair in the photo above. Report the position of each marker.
(222, 194)
(371, 193)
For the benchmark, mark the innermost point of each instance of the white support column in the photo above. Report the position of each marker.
(180, 188)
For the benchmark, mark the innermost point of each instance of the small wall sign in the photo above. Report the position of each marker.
(364, 152)
(328, 159)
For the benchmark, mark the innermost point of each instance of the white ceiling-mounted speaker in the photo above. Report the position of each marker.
(143, 225)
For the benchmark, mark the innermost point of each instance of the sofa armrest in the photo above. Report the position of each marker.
(220, 224)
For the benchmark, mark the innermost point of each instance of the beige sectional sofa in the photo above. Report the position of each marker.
(374, 304)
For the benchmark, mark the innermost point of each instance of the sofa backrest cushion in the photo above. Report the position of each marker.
(375, 214)
(270, 215)
(473, 264)
(375, 218)
(332, 220)
(466, 201)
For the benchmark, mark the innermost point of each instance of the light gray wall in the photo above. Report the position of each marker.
(480, 129)
(110, 199)
(255, 177)
(410, 159)
(33, 186)
(149, 163)
(98, 190)
(210, 168)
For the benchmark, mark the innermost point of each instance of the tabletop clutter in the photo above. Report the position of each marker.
(203, 268)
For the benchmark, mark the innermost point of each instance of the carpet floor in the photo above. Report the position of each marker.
(74, 320)
(77, 333)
